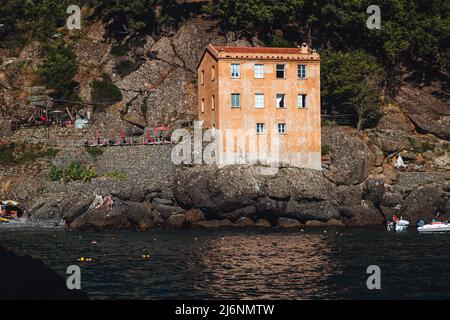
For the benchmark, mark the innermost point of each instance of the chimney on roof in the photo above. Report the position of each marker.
(304, 48)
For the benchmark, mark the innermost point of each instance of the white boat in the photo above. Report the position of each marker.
(434, 227)
(399, 225)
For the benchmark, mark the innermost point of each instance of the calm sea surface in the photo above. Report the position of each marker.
(245, 264)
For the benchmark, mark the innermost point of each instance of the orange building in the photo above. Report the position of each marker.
(263, 101)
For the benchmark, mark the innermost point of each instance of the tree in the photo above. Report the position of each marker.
(352, 82)
(59, 68)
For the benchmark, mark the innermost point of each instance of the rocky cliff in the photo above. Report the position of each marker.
(157, 81)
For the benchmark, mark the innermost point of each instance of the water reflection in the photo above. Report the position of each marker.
(245, 264)
(269, 266)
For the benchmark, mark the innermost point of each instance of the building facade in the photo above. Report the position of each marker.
(264, 104)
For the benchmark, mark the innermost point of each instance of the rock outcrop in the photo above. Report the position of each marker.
(352, 159)
(426, 111)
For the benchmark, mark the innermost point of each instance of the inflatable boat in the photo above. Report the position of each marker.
(435, 226)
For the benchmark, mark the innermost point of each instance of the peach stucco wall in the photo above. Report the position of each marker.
(301, 145)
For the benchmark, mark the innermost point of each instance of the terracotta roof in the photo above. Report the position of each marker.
(303, 53)
(226, 49)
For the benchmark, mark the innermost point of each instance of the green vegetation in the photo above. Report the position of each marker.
(94, 152)
(360, 66)
(358, 63)
(116, 175)
(352, 83)
(139, 15)
(105, 92)
(38, 19)
(24, 153)
(325, 149)
(126, 67)
(119, 51)
(59, 68)
(413, 32)
(426, 146)
(7, 154)
(328, 123)
(73, 172)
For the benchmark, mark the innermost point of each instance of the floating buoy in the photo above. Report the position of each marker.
(145, 256)
(195, 238)
(301, 230)
(93, 242)
(324, 231)
(83, 259)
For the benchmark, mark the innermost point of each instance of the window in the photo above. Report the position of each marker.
(301, 71)
(213, 73)
(259, 100)
(202, 77)
(260, 128)
(213, 102)
(235, 100)
(280, 100)
(282, 128)
(301, 101)
(280, 71)
(203, 105)
(259, 71)
(235, 70)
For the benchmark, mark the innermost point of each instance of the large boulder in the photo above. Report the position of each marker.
(390, 140)
(104, 218)
(426, 111)
(394, 118)
(306, 184)
(373, 190)
(349, 195)
(176, 221)
(364, 214)
(174, 99)
(313, 210)
(351, 158)
(78, 208)
(287, 223)
(167, 211)
(424, 203)
(216, 190)
(137, 211)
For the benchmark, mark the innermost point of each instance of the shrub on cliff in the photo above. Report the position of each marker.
(59, 68)
(73, 172)
(104, 93)
(14, 153)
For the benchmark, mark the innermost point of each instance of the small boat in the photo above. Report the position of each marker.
(435, 226)
(397, 225)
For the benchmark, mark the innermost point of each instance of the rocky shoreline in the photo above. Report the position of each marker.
(360, 188)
